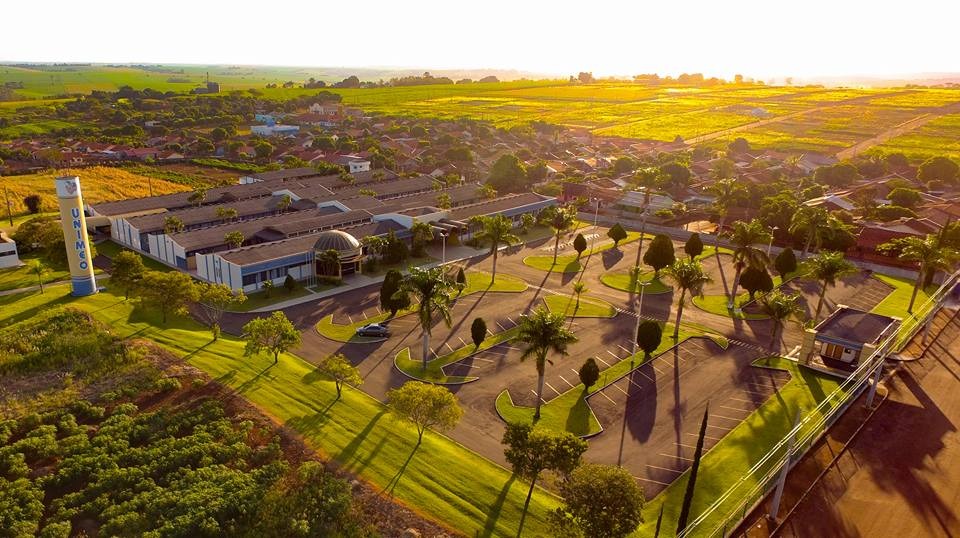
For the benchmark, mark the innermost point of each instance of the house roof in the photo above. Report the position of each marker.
(855, 326)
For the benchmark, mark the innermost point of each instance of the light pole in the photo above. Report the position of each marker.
(772, 232)
(639, 315)
(444, 247)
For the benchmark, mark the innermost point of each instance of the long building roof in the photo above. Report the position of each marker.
(206, 214)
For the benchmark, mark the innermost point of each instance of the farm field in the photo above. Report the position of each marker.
(826, 120)
(100, 184)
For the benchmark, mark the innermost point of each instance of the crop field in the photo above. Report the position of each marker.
(100, 184)
(939, 137)
(817, 119)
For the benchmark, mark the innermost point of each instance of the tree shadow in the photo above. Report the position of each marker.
(611, 257)
(640, 409)
(392, 484)
(578, 420)
(490, 525)
(349, 451)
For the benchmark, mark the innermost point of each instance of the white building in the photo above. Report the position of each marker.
(8, 252)
(274, 130)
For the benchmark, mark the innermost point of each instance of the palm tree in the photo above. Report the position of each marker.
(686, 275)
(727, 193)
(422, 234)
(284, 203)
(579, 288)
(744, 236)
(498, 230)
(330, 259)
(780, 307)
(827, 268)
(39, 269)
(433, 291)
(928, 252)
(561, 220)
(812, 221)
(543, 331)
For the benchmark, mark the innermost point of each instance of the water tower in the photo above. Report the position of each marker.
(74, 225)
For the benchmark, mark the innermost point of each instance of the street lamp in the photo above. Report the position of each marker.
(444, 235)
(772, 232)
(639, 314)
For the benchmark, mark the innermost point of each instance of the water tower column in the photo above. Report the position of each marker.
(74, 225)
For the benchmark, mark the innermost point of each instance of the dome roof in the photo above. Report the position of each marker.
(336, 240)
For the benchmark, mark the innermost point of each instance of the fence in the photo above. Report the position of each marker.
(731, 508)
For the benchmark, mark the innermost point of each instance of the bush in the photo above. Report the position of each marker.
(167, 384)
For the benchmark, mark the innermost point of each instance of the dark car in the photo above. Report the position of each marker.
(373, 329)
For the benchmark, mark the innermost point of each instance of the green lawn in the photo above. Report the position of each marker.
(724, 465)
(477, 282)
(434, 371)
(896, 303)
(569, 263)
(626, 282)
(21, 277)
(717, 304)
(570, 410)
(589, 307)
(260, 299)
(440, 477)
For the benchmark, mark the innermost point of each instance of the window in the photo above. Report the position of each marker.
(831, 351)
(249, 279)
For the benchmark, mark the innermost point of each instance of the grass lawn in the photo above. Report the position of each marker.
(569, 263)
(279, 294)
(20, 219)
(726, 463)
(626, 282)
(434, 371)
(717, 304)
(440, 477)
(21, 277)
(110, 249)
(589, 307)
(477, 281)
(896, 303)
(570, 410)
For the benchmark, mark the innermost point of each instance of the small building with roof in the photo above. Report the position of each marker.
(838, 343)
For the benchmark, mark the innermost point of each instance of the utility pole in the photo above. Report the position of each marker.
(6, 197)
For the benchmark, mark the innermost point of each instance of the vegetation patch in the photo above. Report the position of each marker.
(717, 304)
(588, 307)
(570, 263)
(626, 282)
(434, 371)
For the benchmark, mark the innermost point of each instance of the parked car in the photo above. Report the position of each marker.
(373, 329)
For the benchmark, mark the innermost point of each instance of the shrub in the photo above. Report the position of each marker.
(167, 384)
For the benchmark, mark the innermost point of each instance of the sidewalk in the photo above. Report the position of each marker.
(353, 282)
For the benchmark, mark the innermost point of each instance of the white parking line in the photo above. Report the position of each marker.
(462, 342)
(736, 409)
(511, 321)
(675, 456)
(350, 318)
(501, 326)
(364, 314)
(551, 387)
(685, 446)
(652, 380)
(567, 382)
(618, 388)
(728, 418)
(625, 350)
(665, 469)
(651, 480)
(601, 393)
(476, 358)
(603, 361)
(741, 400)
(705, 436)
(719, 427)
(379, 311)
(448, 347)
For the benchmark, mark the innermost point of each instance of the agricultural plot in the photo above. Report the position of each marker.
(939, 137)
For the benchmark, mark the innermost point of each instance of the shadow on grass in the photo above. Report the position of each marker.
(253, 380)
(578, 420)
(392, 484)
(490, 525)
(349, 452)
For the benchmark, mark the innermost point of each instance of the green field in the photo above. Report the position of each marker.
(830, 119)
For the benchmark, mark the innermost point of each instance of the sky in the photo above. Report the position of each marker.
(715, 37)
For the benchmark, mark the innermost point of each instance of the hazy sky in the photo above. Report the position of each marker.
(716, 37)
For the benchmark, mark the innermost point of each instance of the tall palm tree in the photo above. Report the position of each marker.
(579, 288)
(433, 290)
(812, 221)
(498, 230)
(745, 236)
(727, 193)
(330, 259)
(780, 307)
(928, 252)
(826, 268)
(543, 332)
(686, 275)
(561, 220)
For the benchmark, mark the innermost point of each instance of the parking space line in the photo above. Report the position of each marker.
(736, 409)
(705, 436)
(685, 446)
(482, 359)
(364, 314)
(665, 469)
(603, 361)
(350, 318)
(511, 320)
(676, 457)
(612, 354)
(551, 387)
(651, 480)
(462, 342)
(655, 369)
(728, 418)
(741, 400)
(652, 380)
(501, 326)
(625, 350)
(719, 427)
(565, 381)
(618, 388)
(604, 394)
(378, 310)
